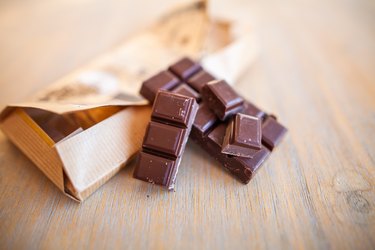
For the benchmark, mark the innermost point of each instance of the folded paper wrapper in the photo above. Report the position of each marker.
(97, 108)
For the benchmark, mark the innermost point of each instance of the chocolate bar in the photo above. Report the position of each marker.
(218, 100)
(243, 136)
(222, 99)
(165, 138)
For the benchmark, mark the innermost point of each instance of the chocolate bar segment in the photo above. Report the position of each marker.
(173, 108)
(164, 80)
(272, 132)
(166, 136)
(185, 68)
(222, 99)
(243, 136)
(154, 169)
(184, 89)
(200, 79)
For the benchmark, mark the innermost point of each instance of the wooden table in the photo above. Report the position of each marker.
(316, 72)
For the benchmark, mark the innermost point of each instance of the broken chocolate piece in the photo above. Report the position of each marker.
(164, 80)
(243, 168)
(164, 143)
(222, 99)
(243, 136)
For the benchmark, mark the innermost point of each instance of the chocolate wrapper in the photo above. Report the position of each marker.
(81, 130)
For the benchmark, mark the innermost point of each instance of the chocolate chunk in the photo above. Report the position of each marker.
(173, 108)
(164, 143)
(200, 79)
(185, 68)
(243, 168)
(184, 89)
(164, 138)
(154, 169)
(164, 80)
(243, 136)
(272, 132)
(222, 99)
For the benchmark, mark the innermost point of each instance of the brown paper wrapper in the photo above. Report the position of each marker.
(82, 129)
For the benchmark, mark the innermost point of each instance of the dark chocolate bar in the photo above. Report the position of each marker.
(208, 130)
(243, 136)
(222, 99)
(166, 135)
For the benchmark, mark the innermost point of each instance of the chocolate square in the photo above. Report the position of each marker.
(172, 108)
(200, 79)
(272, 132)
(222, 99)
(164, 80)
(243, 136)
(164, 138)
(154, 169)
(185, 68)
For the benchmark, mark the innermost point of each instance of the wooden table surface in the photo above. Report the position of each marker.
(316, 71)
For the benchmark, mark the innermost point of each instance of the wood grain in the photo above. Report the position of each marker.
(316, 72)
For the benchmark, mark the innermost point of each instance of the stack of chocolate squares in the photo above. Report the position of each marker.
(231, 129)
